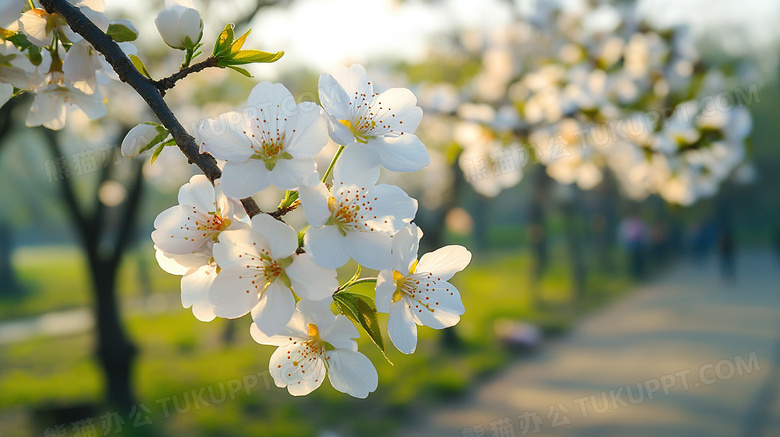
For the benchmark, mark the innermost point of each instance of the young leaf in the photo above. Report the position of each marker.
(355, 276)
(239, 44)
(122, 30)
(224, 41)
(239, 69)
(139, 65)
(156, 153)
(360, 309)
(255, 56)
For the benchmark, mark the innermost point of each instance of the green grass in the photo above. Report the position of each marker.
(57, 278)
(179, 354)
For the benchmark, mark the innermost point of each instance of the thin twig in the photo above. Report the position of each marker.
(170, 81)
(144, 86)
(282, 210)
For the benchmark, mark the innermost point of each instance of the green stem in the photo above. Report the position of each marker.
(290, 196)
(187, 59)
(355, 282)
(332, 163)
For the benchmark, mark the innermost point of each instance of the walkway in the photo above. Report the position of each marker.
(686, 355)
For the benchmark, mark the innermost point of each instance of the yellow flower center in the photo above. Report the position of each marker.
(360, 129)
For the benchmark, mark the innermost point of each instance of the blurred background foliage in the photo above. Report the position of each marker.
(48, 380)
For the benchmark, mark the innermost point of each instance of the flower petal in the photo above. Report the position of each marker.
(405, 245)
(394, 204)
(445, 262)
(282, 239)
(195, 292)
(91, 104)
(385, 287)
(198, 193)
(275, 309)
(296, 367)
(180, 264)
(233, 292)
(339, 133)
(33, 24)
(341, 334)
(244, 179)
(401, 327)
(296, 328)
(352, 373)
(370, 249)
(224, 137)
(291, 173)
(445, 301)
(317, 312)
(310, 281)
(315, 204)
(333, 97)
(357, 165)
(176, 231)
(402, 103)
(6, 92)
(326, 246)
(308, 133)
(47, 110)
(239, 247)
(402, 153)
(354, 79)
(272, 100)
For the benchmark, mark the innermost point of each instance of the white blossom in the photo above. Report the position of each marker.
(315, 343)
(417, 293)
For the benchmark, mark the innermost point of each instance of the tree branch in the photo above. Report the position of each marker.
(145, 87)
(127, 224)
(69, 196)
(170, 81)
(282, 210)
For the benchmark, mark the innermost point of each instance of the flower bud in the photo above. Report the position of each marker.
(181, 27)
(139, 139)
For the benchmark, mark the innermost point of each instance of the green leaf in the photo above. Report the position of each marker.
(156, 153)
(255, 56)
(361, 310)
(239, 44)
(239, 69)
(22, 43)
(139, 65)
(301, 235)
(35, 55)
(224, 41)
(355, 276)
(120, 32)
(162, 134)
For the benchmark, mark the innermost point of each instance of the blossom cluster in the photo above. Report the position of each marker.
(285, 278)
(583, 87)
(39, 53)
(42, 55)
(232, 264)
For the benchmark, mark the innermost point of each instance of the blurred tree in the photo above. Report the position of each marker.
(114, 349)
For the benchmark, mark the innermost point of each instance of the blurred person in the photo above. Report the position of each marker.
(632, 234)
(726, 253)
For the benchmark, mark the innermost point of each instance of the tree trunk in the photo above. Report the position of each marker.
(537, 234)
(114, 350)
(574, 245)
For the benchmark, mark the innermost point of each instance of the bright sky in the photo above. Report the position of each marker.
(324, 34)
